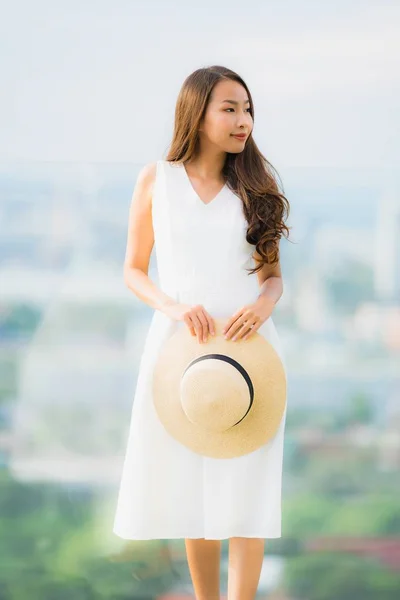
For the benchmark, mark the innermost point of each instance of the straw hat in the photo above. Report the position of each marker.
(222, 398)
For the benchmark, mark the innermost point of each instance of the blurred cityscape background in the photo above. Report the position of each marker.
(71, 338)
(71, 333)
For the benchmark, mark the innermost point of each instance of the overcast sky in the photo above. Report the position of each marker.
(92, 80)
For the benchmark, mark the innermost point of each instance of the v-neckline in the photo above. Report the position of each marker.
(218, 194)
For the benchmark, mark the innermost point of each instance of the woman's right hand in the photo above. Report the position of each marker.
(197, 319)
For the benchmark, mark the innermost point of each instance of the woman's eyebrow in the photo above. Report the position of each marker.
(235, 102)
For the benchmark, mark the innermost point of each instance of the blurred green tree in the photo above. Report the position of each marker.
(334, 576)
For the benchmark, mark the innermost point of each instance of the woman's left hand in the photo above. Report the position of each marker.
(248, 319)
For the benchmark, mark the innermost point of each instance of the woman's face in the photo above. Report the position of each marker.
(227, 113)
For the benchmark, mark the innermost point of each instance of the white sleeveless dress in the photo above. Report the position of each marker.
(168, 491)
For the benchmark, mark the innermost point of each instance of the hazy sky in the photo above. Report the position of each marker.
(98, 80)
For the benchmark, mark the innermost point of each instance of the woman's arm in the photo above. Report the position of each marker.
(270, 281)
(140, 242)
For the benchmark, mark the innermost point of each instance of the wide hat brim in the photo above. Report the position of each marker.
(265, 369)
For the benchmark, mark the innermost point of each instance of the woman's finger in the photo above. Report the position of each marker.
(235, 327)
(189, 324)
(246, 329)
(204, 323)
(251, 331)
(198, 326)
(232, 320)
(211, 326)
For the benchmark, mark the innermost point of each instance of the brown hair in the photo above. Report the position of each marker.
(248, 173)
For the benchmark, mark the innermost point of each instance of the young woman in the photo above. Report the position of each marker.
(215, 214)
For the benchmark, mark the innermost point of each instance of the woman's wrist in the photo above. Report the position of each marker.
(165, 303)
(271, 291)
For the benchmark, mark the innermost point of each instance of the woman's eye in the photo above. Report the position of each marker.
(248, 109)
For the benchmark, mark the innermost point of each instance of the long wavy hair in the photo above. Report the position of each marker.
(248, 173)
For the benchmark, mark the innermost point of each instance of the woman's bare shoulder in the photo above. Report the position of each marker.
(143, 191)
(147, 175)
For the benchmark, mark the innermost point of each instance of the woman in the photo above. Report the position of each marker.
(214, 213)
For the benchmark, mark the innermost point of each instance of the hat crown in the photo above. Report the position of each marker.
(214, 394)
